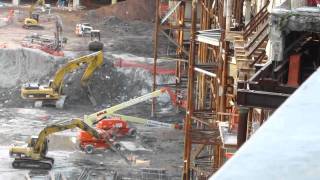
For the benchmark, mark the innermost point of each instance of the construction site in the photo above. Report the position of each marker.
(159, 89)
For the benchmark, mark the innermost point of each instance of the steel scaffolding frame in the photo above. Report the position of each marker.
(203, 65)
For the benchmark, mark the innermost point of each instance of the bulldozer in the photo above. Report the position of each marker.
(32, 22)
(34, 155)
(52, 94)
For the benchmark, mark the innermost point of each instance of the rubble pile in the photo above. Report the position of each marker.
(142, 10)
(110, 85)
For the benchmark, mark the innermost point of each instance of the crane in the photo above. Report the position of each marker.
(52, 93)
(32, 22)
(34, 155)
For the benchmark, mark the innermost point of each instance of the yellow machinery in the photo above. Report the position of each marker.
(51, 94)
(32, 22)
(34, 155)
(96, 117)
(95, 44)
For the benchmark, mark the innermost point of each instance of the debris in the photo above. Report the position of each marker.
(129, 10)
(84, 174)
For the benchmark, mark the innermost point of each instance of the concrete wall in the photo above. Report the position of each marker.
(298, 3)
(288, 4)
(276, 3)
(16, 2)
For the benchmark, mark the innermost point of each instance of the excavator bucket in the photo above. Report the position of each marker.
(60, 102)
(90, 96)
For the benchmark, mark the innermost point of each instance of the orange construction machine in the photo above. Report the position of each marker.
(113, 128)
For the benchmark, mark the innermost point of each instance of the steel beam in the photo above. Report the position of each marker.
(155, 54)
(190, 105)
(242, 126)
(262, 99)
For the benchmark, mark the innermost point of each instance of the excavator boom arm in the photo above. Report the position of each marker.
(93, 61)
(74, 123)
(38, 2)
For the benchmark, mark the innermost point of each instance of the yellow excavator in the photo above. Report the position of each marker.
(32, 22)
(34, 155)
(51, 94)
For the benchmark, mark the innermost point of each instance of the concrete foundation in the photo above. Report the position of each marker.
(298, 3)
(284, 21)
(16, 2)
(76, 4)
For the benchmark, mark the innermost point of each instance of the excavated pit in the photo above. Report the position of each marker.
(23, 65)
(110, 85)
(121, 33)
(20, 66)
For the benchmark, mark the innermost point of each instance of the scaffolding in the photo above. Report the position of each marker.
(196, 29)
(214, 49)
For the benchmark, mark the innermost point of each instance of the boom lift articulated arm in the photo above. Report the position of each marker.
(96, 117)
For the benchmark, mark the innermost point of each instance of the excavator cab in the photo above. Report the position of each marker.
(32, 22)
(95, 43)
(95, 35)
(35, 16)
(32, 143)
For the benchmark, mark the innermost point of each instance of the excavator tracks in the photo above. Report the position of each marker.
(45, 164)
(33, 27)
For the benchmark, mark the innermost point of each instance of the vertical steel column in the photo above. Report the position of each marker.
(224, 76)
(180, 39)
(155, 53)
(247, 11)
(242, 127)
(249, 123)
(190, 107)
(228, 15)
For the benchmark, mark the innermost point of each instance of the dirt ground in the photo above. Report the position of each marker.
(125, 37)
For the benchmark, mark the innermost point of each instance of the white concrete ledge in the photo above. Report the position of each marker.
(287, 146)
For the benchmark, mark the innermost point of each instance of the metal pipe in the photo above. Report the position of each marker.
(242, 127)
(155, 53)
(205, 72)
(190, 105)
(247, 11)
(229, 14)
